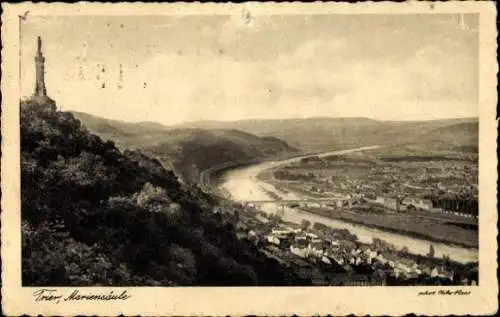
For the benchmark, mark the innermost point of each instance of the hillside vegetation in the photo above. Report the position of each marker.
(190, 148)
(187, 151)
(93, 215)
(462, 136)
(323, 134)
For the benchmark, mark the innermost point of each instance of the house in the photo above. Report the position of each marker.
(370, 196)
(331, 205)
(355, 252)
(316, 248)
(370, 254)
(301, 240)
(380, 258)
(272, 239)
(279, 232)
(241, 235)
(315, 205)
(300, 251)
(409, 201)
(434, 272)
(311, 235)
(358, 261)
(402, 268)
(338, 259)
(391, 203)
(241, 226)
(425, 204)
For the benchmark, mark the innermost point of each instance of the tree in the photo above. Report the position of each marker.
(319, 226)
(93, 216)
(399, 201)
(446, 259)
(182, 266)
(304, 224)
(274, 219)
(431, 251)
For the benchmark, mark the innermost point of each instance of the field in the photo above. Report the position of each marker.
(425, 228)
(385, 172)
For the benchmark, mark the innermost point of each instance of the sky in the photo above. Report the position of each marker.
(173, 69)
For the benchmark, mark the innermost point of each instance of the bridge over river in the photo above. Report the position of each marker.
(296, 201)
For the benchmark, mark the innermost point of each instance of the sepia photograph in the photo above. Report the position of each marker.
(247, 149)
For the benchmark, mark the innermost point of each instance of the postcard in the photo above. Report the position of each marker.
(195, 159)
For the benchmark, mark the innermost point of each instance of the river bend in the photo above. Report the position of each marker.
(242, 184)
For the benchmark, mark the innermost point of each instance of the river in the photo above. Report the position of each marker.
(242, 184)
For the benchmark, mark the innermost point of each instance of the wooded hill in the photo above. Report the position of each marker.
(325, 134)
(94, 215)
(187, 151)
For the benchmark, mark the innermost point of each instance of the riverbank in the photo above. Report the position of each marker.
(244, 186)
(214, 176)
(431, 228)
(374, 221)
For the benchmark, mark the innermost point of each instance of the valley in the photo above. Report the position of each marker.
(319, 134)
(187, 151)
(409, 254)
(415, 191)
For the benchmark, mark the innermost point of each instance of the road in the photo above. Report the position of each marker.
(242, 185)
(290, 201)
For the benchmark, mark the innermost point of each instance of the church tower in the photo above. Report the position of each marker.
(40, 90)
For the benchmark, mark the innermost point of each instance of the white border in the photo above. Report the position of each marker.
(17, 300)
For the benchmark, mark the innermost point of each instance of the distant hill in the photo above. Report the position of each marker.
(322, 134)
(264, 126)
(112, 127)
(192, 147)
(462, 136)
(188, 151)
(308, 134)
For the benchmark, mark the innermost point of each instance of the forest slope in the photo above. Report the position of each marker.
(93, 215)
(187, 151)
